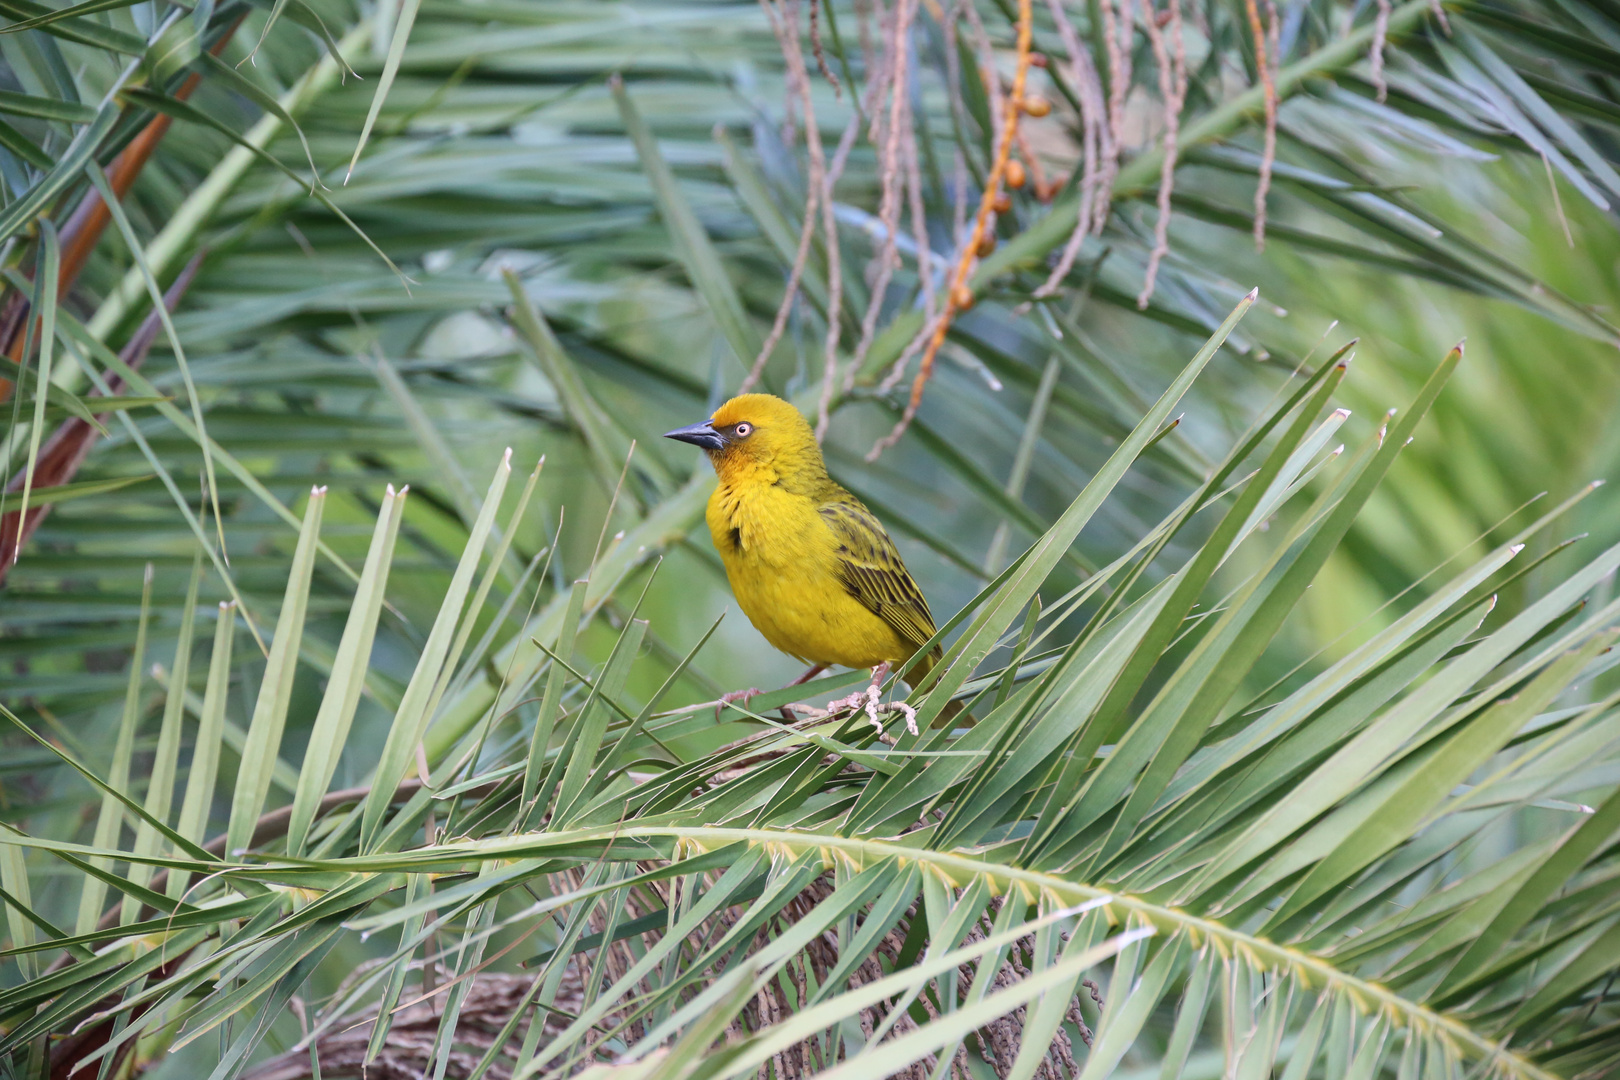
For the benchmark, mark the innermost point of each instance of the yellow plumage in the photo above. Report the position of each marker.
(811, 567)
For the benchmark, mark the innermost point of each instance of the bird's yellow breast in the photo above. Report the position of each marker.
(782, 560)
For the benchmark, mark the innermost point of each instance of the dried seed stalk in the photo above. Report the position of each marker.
(1265, 59)
(789, 295)
(891, 177)
(1098, 154)
(785, 23)
(806, 233)
(1376, 56)
(820, 54)
(869, 99)
(1117, 34)
(959, 287)
(1173, 91)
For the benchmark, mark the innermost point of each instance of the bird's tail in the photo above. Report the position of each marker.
(954, 714)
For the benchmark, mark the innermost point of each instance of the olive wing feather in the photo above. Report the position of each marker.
(870, 569)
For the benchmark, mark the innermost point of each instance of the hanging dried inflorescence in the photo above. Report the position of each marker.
(1099, 153)
(1266, 47)
(1376, 57)
(784, 18)
(1171, 60)
(888, 130)
(1118, 33)
(818, 51)
(960, 294)
(886, 99)
(919, 224)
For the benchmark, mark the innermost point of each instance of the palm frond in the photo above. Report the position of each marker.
(1309, 861)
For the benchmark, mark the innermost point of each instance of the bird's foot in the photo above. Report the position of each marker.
(909, 713)
(744, 696)
(870, 701)
(860, 700)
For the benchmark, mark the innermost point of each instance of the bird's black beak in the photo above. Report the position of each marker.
(702, 434)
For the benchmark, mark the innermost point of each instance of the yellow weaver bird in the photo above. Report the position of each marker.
(811, 566)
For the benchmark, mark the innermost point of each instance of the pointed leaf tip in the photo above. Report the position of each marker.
(1515, 549)
(1342, 414)
(1253, 295)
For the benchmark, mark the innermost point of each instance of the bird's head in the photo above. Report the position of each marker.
(755, 432)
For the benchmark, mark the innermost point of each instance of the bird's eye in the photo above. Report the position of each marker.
(743, 430)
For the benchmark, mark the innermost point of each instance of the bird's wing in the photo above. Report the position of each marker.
(870, 570)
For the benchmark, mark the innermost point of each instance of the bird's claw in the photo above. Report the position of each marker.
(867, 701)
(850, 702)
(870, 701)
(744, 696)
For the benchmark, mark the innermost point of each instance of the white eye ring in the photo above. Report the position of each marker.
(744, 430)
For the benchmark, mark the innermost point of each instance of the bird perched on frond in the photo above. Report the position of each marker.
(811, 566)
